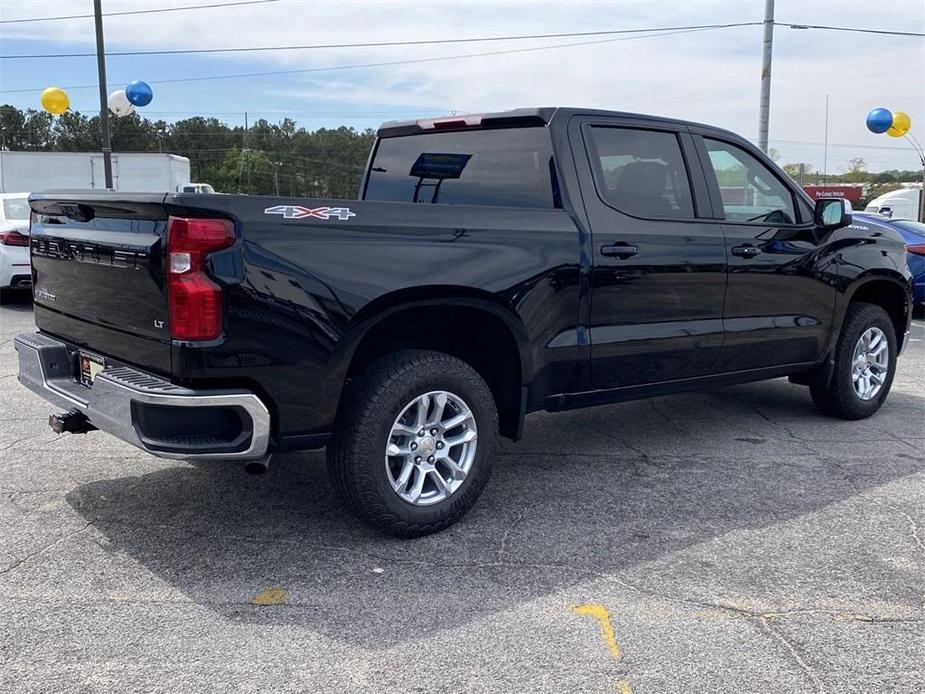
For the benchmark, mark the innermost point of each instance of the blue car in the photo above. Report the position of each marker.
(914, 234)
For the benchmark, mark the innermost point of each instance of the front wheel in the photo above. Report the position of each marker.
(865, 362)
(412, 447)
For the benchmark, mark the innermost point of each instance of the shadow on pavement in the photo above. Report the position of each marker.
(17, 300)
(585, 493)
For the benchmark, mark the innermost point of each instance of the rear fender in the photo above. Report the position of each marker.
(383, 307)
(421, 297)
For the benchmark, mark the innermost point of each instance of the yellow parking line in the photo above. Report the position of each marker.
(600, 613)
(271, 596)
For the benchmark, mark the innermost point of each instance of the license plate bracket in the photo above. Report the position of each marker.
(88, 366)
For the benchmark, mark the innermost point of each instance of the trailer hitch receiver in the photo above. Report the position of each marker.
(73, 421)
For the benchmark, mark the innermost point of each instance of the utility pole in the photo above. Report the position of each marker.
(922, 192)
(243, 154)
(247, 153)
(825, 146)
(764, 106)
(104, 107)
(3, 147)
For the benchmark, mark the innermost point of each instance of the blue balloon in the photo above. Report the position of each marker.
(139, 94)
(879, 120)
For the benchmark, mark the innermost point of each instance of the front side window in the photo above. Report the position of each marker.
(750, 191)
(511, 167)
(641, 172)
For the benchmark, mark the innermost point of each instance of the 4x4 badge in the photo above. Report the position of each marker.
(299, 212)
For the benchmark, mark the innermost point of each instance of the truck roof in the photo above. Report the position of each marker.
(523, 117)
(899, 193)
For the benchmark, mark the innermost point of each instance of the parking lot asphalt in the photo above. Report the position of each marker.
(726, 541)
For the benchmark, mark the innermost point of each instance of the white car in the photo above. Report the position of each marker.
(15, 270)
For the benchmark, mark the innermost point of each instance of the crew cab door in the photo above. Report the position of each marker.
(657, 259)
(780, 297)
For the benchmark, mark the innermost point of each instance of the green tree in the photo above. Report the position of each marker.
(74, 132)
(25, 130)
(793, 170)
(856, 173)
(243, 171)
(131, 133)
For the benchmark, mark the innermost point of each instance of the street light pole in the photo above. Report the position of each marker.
(918, 149)
(764, 105)
(104, 107)
(922, 193)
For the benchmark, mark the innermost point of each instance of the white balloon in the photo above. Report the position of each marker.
(119, 103)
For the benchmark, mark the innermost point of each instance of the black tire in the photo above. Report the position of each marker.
(4, 295)
(372, 402)
(839, 398)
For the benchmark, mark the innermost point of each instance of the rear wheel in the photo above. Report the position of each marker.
(412, 448)
(865, 362)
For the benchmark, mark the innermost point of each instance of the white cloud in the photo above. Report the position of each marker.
(710, 76)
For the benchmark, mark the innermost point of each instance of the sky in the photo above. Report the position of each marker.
(707, 76)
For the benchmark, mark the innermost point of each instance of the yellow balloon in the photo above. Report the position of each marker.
(901, 124)
(55, 100)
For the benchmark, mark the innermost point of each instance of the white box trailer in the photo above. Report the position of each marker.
(135, 172)
(903, 203)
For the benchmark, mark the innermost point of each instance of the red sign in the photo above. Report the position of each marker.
(852, 193)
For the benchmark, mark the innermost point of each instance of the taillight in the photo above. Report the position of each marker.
(918, 249)
(13, 238)
(195, 301)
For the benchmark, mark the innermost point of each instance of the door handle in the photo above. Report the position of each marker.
(620, 250)
(746, 251)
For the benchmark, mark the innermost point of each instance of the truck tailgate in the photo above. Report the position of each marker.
(98, 273)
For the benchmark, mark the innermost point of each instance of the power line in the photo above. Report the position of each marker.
(390, 63)
(886, 32)
(127, 12)
(424, 42)
(843, 145)
(384, 44)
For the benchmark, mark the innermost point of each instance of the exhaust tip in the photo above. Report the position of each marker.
(257, 467)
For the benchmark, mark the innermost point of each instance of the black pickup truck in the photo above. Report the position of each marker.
(493, 265)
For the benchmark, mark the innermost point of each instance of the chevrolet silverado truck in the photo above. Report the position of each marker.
(492, 266)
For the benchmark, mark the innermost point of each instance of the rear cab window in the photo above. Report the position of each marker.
(506, 167)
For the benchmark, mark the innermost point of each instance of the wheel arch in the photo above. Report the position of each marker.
(890, 291)
(393, 321)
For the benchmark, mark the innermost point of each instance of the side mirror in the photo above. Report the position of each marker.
(832, 213)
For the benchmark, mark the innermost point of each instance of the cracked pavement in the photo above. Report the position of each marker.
(737, 541)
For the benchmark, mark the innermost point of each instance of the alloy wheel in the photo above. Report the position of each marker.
(431, 448)
(870, 364)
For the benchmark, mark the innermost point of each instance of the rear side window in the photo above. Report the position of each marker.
(506, 167)
(641, 172)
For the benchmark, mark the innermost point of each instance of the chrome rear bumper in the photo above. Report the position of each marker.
(122, 399)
